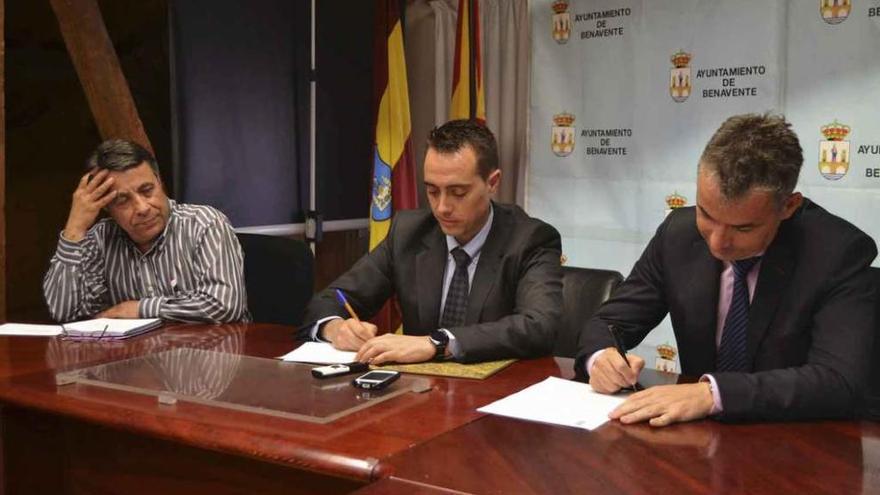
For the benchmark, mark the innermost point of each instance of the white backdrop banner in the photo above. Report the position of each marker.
(626, 93)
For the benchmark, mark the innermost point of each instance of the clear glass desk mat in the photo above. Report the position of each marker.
(243, 383)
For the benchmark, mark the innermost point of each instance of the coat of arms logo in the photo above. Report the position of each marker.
(835, 11)
(680, 76)
(562, 134)
(834, 151)
(380, 208)
(675, 201)
(665, 358)
(561, 22)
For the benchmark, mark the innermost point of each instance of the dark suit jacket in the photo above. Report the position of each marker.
(515, 301)
(811, 319)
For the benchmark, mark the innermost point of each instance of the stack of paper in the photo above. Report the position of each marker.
(557, 401)
(318, 353)
(110, 328)
(29, 330)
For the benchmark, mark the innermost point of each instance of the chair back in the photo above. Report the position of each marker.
(279, 276)
(583, 291)
(872, 394)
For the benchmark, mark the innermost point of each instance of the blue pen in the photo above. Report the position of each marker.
(343, 301)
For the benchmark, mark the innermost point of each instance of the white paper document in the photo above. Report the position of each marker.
(318, 353)
(29, 330)
(559, 402)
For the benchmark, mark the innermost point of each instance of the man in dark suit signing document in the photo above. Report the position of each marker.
(769, 294)
(476, 280)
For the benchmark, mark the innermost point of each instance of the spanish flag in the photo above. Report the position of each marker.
(394, 178)
(468, 98)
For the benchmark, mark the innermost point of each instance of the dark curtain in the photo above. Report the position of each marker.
(345, 122)
(240, 107)
(240, 91)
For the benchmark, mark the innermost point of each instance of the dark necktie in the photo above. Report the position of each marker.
(457, 294)
(733, 351)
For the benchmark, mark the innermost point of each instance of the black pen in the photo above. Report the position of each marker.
(621, 349)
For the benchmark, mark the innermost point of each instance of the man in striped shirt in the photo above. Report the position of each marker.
(152, 258)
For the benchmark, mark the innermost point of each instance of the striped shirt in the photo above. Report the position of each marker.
(193, 271)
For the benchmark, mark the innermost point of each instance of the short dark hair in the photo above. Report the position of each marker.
(754, 151)
(455, 134)
(119, 155)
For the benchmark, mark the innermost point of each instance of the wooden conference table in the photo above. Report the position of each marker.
(86, 439)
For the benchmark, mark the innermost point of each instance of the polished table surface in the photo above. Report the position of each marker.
(436, 442)
(498, 455)
(352, 447)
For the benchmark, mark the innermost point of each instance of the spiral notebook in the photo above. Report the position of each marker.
(109, 328)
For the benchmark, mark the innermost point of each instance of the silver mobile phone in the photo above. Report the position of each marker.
(376, 379)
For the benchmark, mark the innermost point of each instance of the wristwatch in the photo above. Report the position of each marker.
(440, 339)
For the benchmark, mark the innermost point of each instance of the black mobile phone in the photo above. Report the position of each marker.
(375, 380)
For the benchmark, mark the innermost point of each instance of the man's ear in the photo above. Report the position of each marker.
(161, 183)
(494, 180)
(791, 205)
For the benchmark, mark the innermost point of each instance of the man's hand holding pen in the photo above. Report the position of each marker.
(356, 335)
(348, 335)
(613, 370)
(610, 372)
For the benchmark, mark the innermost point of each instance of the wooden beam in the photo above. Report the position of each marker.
(99, 71)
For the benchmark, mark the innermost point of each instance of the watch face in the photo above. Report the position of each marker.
(439, 338)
